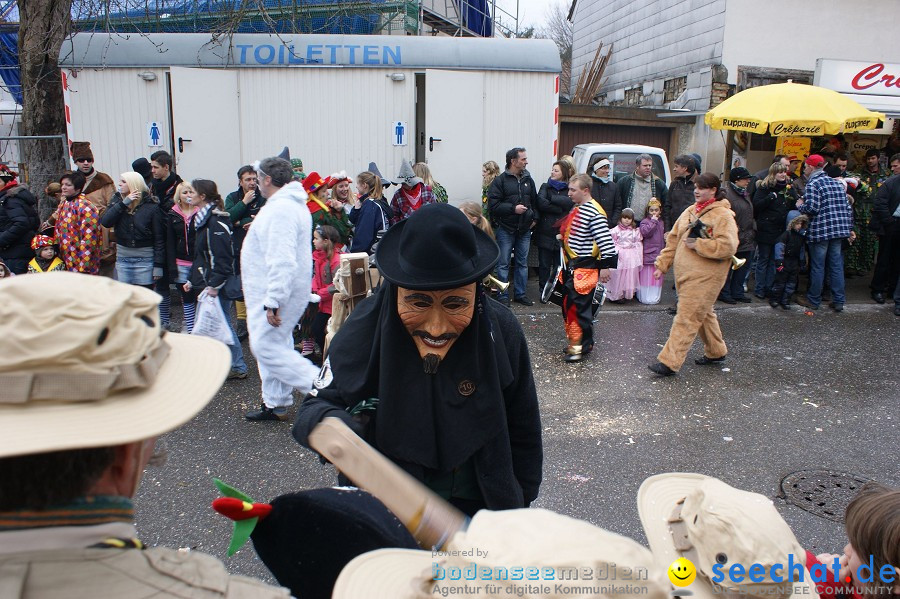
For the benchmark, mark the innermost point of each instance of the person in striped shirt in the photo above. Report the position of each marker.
(590, 253)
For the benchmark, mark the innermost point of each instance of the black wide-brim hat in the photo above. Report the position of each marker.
(436, 248)
(310, 536)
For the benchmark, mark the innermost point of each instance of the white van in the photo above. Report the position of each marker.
(622, 157)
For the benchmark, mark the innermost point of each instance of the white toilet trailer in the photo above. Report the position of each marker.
(338, 102)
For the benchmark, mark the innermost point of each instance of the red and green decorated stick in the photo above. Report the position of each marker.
(242, 510)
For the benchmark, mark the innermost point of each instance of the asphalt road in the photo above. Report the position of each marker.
(797, 393)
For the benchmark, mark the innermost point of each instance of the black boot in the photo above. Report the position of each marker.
(661, 369)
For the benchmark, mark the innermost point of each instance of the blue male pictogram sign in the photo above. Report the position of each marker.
(399, 133)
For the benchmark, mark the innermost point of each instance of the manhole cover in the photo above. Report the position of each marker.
(824, 493)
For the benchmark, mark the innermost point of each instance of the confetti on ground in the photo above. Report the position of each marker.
(728, 438)
(577, 478)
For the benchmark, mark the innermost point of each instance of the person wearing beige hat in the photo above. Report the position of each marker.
(735, 541)
(513, 553)
(89, 384)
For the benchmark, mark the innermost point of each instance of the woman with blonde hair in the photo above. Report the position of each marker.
(489, 172)
(773, 199)
(180, 248)
(473, 212)
(140, 233)
(421, 170)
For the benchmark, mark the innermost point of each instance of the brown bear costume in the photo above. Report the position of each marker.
(699, 276)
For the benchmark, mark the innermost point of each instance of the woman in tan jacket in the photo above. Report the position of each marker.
(701, 244)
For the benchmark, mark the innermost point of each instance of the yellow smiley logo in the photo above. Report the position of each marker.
(682, 572)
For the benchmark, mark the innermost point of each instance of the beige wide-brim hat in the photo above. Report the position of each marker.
(705, 520)
(66, 335)
(532, 539)
(384, 574)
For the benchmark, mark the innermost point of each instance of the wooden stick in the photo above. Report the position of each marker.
(430, 519)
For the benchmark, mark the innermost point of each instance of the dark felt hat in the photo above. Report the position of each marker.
(738, 173)
(435, 248)
(696, 158)
(310, 536)
(142, 165)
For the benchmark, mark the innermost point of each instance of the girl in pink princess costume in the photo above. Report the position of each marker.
(627, 237)
(654, 237)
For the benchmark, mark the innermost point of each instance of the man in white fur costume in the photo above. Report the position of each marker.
(276, 267)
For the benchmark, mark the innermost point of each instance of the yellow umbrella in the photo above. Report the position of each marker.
(792, 109)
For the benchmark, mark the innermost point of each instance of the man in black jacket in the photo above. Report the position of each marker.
(165, 182)
(512, 198)
(886, 224)
(433, 373)
(637, 189)
(18, 222)
(681, 190)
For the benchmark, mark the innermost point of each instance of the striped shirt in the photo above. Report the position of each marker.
(589, 229)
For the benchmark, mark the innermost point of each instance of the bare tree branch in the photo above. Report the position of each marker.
(558, 28)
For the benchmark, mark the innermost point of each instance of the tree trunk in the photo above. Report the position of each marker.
(44, 24)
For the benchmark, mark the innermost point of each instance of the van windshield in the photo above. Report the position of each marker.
(623, 164)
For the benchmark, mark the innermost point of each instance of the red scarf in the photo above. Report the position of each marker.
(701, 206)
(413, 199)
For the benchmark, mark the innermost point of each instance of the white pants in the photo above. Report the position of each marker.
(280, 367)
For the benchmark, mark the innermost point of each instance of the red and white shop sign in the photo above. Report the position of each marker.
(862, 78)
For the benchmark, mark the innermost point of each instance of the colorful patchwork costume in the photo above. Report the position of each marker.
(78, 235)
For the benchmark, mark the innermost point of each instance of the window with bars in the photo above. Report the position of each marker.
(672, 88)
(633, 96)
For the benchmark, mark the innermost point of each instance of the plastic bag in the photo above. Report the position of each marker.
(210, 320)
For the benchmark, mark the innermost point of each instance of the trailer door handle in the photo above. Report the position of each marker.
(431, 141)
(181, 141)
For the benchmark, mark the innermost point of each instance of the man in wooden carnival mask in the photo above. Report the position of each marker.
(432, 373)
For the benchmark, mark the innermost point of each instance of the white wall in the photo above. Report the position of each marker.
(110, 108)
(331, 118)
(9, 150)
(792, 34)
(518, 111)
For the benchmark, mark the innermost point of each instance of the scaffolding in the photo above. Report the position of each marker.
(460, 18)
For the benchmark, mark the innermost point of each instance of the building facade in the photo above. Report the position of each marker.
(689, 55)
